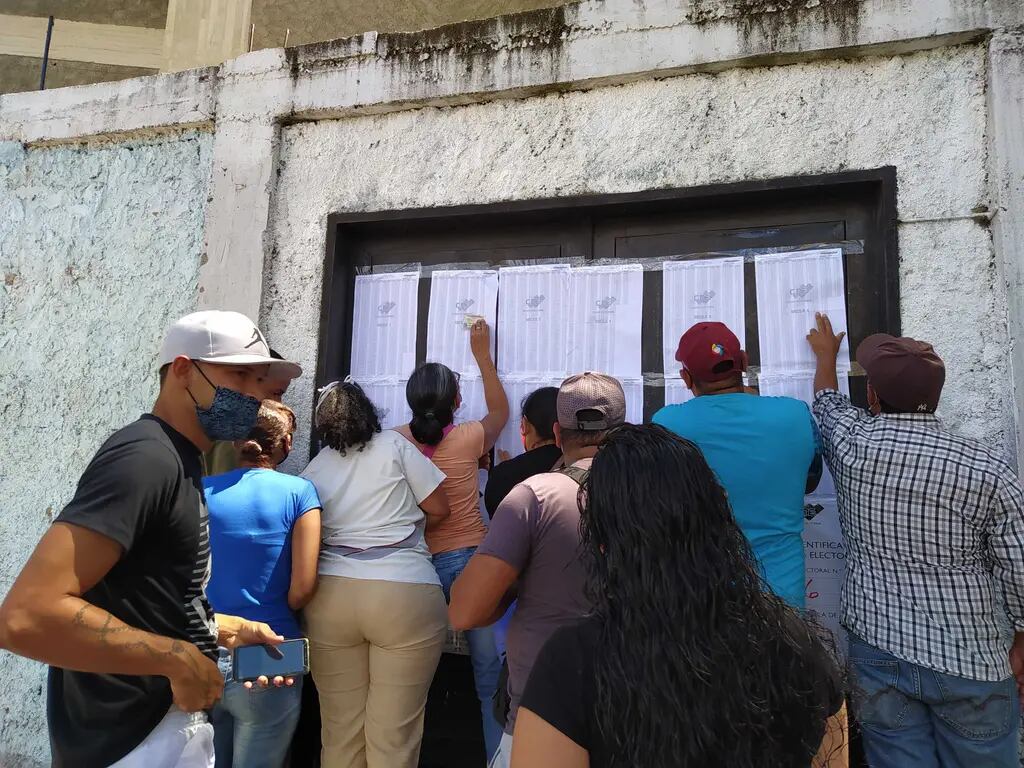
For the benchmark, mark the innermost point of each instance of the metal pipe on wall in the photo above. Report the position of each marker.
(46, 54)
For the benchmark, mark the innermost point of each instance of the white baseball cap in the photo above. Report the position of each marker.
(223, 338)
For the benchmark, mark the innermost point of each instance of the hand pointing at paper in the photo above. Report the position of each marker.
(480, 340)
(825, 344)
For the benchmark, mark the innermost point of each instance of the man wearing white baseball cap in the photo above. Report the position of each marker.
(113, 598)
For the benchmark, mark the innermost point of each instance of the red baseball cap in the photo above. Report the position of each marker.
(710, 352)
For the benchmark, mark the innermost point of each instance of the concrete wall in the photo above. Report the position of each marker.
(212, 188)
(686, 131)
(99, 250)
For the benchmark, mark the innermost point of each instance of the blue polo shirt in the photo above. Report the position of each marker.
(761, 448)
(252, 514)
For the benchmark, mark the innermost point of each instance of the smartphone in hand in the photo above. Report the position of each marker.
(289, 659)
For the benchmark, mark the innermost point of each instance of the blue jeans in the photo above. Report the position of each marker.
(253, 728)
(483, 651)
(915, 717)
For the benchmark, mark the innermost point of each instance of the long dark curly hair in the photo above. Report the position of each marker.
(346, 418)
(697, 664)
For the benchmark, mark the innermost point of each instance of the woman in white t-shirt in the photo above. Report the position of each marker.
(378, 622)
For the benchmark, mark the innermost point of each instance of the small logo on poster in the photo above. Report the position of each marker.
(801, 291)
(534, 302)
(811, 511)
(464, 304)
(606, 303)
(704, 297)
(385, 308)
(383, 413)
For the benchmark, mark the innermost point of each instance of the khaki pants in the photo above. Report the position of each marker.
(373, 650)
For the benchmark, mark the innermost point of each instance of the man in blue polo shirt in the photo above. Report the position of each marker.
(765, 451)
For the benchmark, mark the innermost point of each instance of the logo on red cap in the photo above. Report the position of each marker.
(706, 349)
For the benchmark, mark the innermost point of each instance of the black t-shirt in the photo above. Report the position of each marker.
(143, 489)
(562, 692)
(508, 474)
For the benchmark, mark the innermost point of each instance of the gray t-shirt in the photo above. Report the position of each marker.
(536, 530)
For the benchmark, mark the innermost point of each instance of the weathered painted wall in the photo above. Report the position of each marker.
(99, 251)
(684, 131)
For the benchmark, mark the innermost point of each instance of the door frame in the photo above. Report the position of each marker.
(339, 268)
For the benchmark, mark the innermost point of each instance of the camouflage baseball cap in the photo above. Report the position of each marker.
(591, 392)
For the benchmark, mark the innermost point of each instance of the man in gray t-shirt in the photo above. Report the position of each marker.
(534, 540)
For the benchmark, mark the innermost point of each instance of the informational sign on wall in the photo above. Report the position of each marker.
(824, 564)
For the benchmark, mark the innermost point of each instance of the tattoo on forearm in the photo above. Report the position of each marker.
(110, 628)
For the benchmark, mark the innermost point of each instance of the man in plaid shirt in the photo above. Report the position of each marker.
(934, 527)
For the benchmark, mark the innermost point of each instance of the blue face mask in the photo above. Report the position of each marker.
(231, 415)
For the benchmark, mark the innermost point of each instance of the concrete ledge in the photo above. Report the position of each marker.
(612, 42)
(143, 104)
(593, 43)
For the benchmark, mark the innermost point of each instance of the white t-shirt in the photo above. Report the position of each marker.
(370, 500)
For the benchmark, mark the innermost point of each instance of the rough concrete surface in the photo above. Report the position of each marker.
(154, 104)
(99, 251)
(1005, 91)
(923, 113)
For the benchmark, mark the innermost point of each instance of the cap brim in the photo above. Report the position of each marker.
(281, 368)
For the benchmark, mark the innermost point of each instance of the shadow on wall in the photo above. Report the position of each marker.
(8, 760)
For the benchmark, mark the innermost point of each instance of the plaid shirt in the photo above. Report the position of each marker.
(934, 527)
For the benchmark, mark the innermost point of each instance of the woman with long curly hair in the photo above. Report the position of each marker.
(687, 660)
(378, 622)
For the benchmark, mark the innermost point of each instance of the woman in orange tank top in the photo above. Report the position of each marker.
(433, 395)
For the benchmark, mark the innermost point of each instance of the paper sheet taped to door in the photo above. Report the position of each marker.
(453, 295)
(700, 291)
(388, 397)
(516, 389)
(605, 320)
(384, 325)
(533, 310)
(791, 288)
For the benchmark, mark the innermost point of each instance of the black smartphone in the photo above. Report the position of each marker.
(289, 659)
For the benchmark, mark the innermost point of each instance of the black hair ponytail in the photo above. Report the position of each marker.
(431, 393)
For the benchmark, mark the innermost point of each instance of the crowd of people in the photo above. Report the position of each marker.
(631, 595)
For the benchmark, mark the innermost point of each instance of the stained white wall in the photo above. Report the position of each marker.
(175, 200)
(924, 113)
(99, 251)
